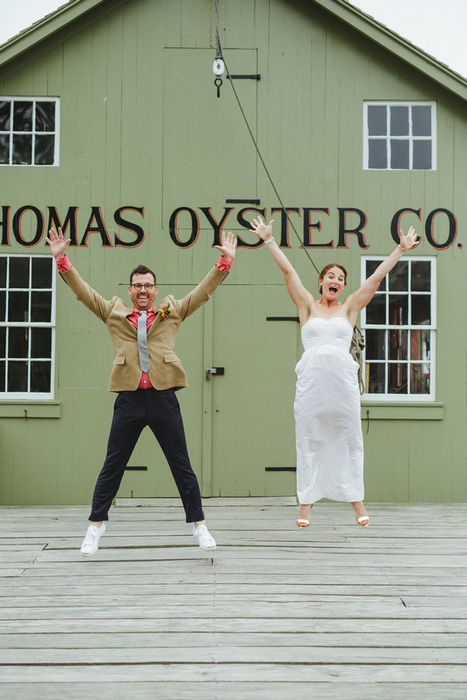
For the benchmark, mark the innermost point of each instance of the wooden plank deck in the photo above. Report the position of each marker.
(333, 611)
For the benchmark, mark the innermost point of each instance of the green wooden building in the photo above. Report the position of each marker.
(111, 126)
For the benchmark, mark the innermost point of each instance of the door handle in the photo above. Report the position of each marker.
(213, 370)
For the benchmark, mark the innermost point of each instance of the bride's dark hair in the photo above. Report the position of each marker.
(326, 268)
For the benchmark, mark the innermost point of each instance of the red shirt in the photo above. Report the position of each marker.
(63, 265)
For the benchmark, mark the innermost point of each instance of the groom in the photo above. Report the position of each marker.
(146, 373)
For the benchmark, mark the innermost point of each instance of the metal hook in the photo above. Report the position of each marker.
(218, 82)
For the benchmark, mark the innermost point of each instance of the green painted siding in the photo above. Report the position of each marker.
(141, 126)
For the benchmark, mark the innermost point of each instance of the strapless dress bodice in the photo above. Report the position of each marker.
(318, 332)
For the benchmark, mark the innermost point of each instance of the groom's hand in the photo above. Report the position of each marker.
(228, 245)
(57, 243)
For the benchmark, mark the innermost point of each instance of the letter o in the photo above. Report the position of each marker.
(17, 225)
(173, 227)
(452, 229)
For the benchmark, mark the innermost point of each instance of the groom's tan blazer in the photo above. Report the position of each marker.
(166, 371)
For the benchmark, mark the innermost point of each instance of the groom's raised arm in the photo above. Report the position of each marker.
(84, 293)
(201, 293)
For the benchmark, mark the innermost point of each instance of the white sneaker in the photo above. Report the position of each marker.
(206, 541)
(91, 541)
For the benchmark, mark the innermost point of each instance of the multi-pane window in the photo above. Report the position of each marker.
(27, 326)
(399, 136)
(399, 325)
(29, 131)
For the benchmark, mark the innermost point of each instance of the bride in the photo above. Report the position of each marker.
(327, 402)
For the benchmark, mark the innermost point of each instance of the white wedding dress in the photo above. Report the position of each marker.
(327, 414)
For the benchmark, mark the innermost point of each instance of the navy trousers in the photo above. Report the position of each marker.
(133, 411)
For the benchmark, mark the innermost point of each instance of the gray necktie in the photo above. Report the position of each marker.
(143, 342)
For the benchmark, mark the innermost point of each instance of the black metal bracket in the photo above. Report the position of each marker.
(280, 469)
(282, 318)
(243, 201)
(255, 76)
(136, 469)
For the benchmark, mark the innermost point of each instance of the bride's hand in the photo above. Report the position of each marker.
(262, 230)
(409, 241)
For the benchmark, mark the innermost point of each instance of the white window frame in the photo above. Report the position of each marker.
(406, 398)
(33, 132)
(30, 395)
(388, 137)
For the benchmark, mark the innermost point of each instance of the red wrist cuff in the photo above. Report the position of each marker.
(63, 264)
(224, 264)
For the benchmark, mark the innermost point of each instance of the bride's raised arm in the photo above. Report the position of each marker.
(359, 299)
(300, 296)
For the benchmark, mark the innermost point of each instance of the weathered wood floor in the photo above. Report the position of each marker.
(334, 611)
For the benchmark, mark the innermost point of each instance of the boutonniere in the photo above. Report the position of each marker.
(165, 312)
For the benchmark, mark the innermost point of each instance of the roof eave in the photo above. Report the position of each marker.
(397, 45)
(45, 28)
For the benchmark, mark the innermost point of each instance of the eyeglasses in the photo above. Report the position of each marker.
(147, 287)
